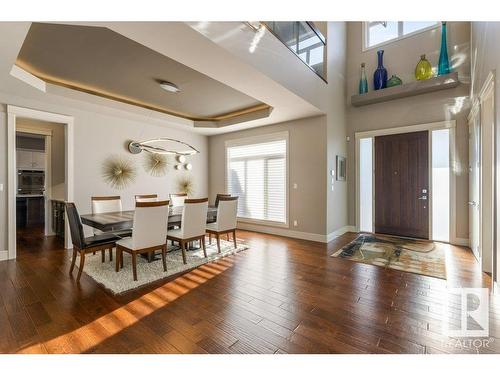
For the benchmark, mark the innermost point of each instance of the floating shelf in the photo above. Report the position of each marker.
(408, 89)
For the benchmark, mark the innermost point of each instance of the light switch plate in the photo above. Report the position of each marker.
(295, 186)
(1, 187)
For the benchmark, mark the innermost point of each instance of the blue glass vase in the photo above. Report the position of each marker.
(444, 63)
(380, 75)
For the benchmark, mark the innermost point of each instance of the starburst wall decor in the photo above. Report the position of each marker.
(118, 172)
(156, 164)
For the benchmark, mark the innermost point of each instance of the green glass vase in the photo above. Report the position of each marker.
(423, 69)
(394, 81)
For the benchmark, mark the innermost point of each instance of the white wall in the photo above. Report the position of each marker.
(98, 133)
(400, 58)
(486, 58)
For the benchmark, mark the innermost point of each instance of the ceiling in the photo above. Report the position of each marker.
(102, 62)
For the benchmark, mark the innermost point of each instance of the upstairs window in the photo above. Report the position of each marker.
(382, 32)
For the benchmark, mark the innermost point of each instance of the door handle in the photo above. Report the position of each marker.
(423, 198)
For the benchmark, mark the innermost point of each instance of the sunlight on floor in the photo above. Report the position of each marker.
(92, 334)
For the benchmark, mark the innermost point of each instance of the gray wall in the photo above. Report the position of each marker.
(307, 166)
(400, 58)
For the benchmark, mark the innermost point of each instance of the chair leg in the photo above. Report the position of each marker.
(150, 256)
(111, 254)
(234, 239)
(210, 238)
(164, 257)
(103, 256)
(183, 247)
(73, 261)
(134, 265)
(218, 242)
(82, 263)
(118, 258)
(202, 240)
(228, 236)
(121, 258)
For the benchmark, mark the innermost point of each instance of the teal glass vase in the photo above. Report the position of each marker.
(444, 62)
(363, 82)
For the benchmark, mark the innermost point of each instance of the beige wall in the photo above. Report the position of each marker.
(400, 58)
(337, 209)
(100, 132)
(57, 159)
(314, 144)
(307, 166)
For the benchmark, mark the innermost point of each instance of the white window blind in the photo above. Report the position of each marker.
(256, 173)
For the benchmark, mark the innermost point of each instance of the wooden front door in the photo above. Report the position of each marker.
(402, 184)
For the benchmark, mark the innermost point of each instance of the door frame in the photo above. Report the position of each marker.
(12, 113)
(447, 124)
(476, 112)
(488, 89)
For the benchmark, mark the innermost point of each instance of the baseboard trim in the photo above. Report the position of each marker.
(460, 242)
(282, 232)
(4, 255)
(339, 232)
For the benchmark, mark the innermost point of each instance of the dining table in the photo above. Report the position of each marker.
(123, 220)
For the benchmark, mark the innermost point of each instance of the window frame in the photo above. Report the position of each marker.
(264, 138)
(365, 37)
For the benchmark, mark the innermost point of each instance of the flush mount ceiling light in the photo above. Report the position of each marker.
(169, 86)
(164, 146)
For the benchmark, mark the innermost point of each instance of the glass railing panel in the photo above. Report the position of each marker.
(302, 38)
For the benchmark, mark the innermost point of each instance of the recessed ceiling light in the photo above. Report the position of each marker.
(169, 86)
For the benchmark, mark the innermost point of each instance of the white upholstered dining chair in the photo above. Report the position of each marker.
(226, 220)
(146, 198)
(149, 233)
(177, 200)
(193, 223)
(106, 204)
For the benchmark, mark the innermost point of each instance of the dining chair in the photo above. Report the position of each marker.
(193, 223)
(213, 220)
(146, 198)
(226, 220)
(84, 245)
(106, 204)
(149, 233)
(177, 200)
(218, 196)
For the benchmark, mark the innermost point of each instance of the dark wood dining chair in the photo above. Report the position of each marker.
(84, 245)
(226, 220)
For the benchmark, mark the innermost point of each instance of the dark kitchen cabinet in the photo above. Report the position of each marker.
(30, 211)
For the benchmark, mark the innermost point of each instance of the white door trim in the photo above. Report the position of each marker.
(447, 124)
(12, 113)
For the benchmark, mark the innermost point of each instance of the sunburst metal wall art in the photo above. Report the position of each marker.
(118, 172)
(185, 185)
(156, 164)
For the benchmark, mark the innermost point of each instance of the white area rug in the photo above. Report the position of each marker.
(122, 281)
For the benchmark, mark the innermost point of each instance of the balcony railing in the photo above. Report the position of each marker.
(303, 39)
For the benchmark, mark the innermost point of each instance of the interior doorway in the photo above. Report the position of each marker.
(40, 183)
(30, 116)
(405, 183)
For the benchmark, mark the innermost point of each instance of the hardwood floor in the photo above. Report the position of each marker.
(280, 296)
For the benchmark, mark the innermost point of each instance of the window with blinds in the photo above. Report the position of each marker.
(257, 174)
